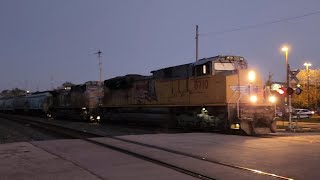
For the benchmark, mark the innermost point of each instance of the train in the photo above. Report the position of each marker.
(215, 93)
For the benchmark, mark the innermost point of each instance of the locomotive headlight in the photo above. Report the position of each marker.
(252, 76)
(272, 99)
(253, 98)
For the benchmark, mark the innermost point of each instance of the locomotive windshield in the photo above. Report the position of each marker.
(224, 66)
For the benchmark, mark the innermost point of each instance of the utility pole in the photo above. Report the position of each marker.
(100, 65)
(286, 49)
(308, 81)
(51, 82)
(289, 97)
(308, 87)
(197, 38)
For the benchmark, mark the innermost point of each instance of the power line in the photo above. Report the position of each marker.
(261, 24)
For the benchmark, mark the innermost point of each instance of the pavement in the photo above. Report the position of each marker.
(75, 159)
(291, 155)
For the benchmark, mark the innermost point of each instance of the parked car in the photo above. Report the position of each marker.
(302, 113)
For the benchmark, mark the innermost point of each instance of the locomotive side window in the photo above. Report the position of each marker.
(202, 70)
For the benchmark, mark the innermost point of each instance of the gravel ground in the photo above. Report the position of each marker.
(11, 131)
(111, 129)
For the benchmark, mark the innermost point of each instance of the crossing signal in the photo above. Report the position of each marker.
(298, 91)
(282, 91)
(290, 91)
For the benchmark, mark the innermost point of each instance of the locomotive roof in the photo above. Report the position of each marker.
(205, 60)
(129, 76)
(220, 58)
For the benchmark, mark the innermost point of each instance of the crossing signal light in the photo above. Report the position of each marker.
(290, 91)
(282, 91)
(298, 91)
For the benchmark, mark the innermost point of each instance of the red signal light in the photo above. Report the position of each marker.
(281, 91)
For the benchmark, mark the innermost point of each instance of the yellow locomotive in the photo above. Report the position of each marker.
(213, 93)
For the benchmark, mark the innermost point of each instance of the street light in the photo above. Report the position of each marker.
(308, 79)
(286, 49)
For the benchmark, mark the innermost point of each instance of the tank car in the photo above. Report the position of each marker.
(78, 102)
(2, 101)
(6, 105)
(213, 93)
(20, 104)
(39, 103)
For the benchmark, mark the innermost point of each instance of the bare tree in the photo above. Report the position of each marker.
(269, 80)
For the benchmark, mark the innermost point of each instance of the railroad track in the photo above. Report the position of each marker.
(88, 136)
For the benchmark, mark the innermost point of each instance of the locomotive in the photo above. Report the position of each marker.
(213, 93)
(79, 102)
(216, 93)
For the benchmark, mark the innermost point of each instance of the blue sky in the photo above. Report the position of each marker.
(45, 42)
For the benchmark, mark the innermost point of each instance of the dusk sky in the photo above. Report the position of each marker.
(48, 42)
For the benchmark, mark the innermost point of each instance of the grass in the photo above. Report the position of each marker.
(283, 123)
(313, 119)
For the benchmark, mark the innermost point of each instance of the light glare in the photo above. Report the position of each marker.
(285, 48)
(253, 99)
(307, 64)
(272, 99)
(252, 76)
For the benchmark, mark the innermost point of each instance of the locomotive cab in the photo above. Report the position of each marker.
(226, 82)
(248, 108)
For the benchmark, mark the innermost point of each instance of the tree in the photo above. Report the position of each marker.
(13, 92)
(269, 80)
(314, 89)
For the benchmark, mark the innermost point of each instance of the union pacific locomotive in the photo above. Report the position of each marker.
(213, 93)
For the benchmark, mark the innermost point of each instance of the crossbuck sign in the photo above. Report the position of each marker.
(293, 75)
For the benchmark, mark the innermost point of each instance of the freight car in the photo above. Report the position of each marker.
(6, 105)
(37, 103)
(213, 93)
(77, 102)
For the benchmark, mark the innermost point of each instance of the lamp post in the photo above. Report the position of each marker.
(286, 49)
(308, 80)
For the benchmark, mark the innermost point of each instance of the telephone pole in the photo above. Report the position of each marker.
(197, 38)
(100, 64)
(308, 81)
